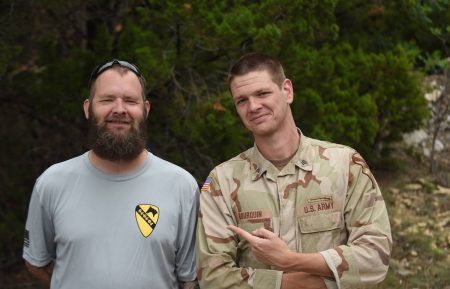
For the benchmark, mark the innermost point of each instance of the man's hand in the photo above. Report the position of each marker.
(265, 245)
(271, 250)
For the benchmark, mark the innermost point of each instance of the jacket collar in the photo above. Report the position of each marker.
(302, 159)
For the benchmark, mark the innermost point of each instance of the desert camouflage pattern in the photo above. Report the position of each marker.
(324, 199)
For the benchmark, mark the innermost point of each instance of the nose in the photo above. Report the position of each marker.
(254, 104)
(119, 106)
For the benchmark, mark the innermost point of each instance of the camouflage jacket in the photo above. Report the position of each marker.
(324, 200)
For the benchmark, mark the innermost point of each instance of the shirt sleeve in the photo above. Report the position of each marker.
(364, 259)
(332, 259)
(185, 258)
(217, 248)
(38, 248)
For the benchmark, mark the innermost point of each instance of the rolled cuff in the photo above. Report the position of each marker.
(333, 260)
(330, 283)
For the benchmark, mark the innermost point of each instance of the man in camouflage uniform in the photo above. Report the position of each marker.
(290, 212)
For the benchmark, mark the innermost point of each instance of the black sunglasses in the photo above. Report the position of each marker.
(102, 67)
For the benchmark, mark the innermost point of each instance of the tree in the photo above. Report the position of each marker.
(434, 18)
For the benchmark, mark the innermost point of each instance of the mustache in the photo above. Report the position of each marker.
(118, 118)
(114, 147)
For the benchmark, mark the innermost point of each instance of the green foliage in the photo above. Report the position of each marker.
(357, 98)
(434, 62)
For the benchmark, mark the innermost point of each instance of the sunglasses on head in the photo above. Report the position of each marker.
(102, 67)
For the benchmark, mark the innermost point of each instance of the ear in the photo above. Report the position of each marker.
(147, 108)
(86, 108)
(288, 90)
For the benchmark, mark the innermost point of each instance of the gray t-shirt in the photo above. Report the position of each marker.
(113, 231)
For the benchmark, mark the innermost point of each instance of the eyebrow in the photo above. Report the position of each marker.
(262, 90)
(238, 97)
(108, 95)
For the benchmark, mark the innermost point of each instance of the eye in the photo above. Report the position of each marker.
(240, 101)
(131, 101)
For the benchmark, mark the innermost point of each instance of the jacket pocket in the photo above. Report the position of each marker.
(245, 257)
(319, 232)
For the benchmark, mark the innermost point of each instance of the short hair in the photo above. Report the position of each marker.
(257, 62)
(121, 67)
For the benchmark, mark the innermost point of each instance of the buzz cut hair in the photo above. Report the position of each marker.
(122, 70)
(257, 62)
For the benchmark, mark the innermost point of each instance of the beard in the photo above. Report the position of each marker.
(117, 146)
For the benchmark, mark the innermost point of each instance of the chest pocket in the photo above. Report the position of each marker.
(319, 232)
(245, 257)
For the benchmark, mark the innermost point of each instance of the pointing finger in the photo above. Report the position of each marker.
(242, 233)
(263, 233)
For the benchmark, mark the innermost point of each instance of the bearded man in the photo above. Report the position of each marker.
(116, 216)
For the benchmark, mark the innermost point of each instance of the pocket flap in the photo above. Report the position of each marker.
(320, 222)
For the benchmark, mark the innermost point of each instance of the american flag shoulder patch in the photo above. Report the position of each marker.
(206, 184)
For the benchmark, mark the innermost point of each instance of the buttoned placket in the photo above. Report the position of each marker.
(287, 216)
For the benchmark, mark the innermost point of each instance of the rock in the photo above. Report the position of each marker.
(400, 267)
(413, 187)
(433, 95)
(442, 190)
(415, 138)
(428, 233)
(396, 221)
(395, 191)
(423, 181)
(403, 272)
(412, 229)
(407, 202)
(422, 224)
(438, 146)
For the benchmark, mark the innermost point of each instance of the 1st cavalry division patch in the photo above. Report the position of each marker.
(146, 217)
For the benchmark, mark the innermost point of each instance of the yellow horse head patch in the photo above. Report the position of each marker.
(146, 217)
